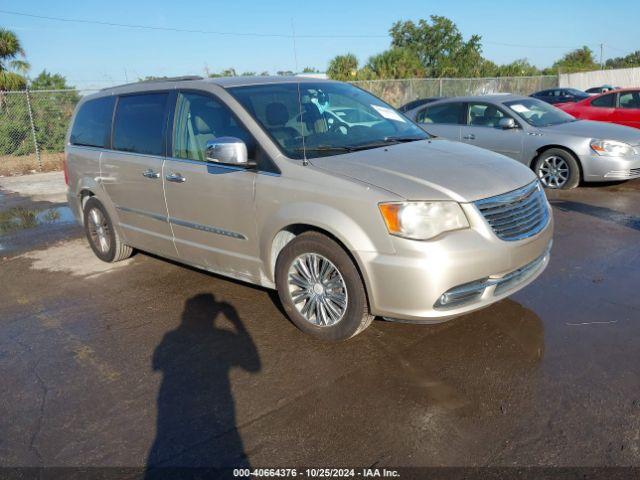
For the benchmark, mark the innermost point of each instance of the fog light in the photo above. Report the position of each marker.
(461, 294)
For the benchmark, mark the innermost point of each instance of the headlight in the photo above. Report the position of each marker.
(611, 148)
(422, 220)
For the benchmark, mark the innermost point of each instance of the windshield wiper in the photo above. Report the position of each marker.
(325, 148)
(402, 139)
(386, 141)
(354, 148)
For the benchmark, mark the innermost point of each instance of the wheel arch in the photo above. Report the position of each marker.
(544, 148)
(286, 234)
(84, 195)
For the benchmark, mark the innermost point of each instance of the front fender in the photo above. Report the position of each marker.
(323, 217)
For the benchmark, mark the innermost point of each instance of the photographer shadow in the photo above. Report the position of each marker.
(196, 420)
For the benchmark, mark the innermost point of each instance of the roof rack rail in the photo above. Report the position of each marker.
(160, 79)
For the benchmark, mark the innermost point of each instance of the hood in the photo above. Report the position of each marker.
(597, 130)
(434, 169)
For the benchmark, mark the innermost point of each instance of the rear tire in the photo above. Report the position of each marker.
(557, 169)
(330, 299)
(103, 238)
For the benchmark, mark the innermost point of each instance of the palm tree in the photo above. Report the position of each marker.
(12, 63)
(343, 67)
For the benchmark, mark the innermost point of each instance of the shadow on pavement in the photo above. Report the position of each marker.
(603, 213)
(196, 422)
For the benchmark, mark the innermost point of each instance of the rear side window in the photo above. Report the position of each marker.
(447, 113)
(92, 124)
(630, 100)
(607, 101)
(139, 123)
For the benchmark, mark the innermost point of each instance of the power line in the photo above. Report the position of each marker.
(181, 30)
(240, 34)
(617, 49)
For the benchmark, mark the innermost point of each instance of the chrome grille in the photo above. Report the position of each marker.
(518, 214)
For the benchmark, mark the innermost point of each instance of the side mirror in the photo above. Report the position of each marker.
(227, 151)
(507, 123)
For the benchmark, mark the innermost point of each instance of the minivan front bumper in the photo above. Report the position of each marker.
(456, 273)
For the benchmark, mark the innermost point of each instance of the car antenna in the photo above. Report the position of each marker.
(305, 162)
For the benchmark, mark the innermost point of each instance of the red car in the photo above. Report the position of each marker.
(619, 106)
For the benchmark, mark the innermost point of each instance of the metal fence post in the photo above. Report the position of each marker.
(33, 131)
(440, 88)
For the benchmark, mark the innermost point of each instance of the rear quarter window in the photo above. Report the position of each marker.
(139, 123)
(92, 124)
(607, 101)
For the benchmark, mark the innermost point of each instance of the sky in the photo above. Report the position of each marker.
(93, 56)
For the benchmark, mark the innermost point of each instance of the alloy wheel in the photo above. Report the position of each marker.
(99, 230)
(553, 172)
(317, 289)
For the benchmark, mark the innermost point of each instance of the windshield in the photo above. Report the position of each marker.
(324, 118)
(537, 113)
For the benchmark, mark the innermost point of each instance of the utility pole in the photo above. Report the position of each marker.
(602, 56)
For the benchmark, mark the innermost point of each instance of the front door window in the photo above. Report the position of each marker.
(199, 119)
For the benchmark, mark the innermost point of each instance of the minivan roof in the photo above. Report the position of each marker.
(224, 82)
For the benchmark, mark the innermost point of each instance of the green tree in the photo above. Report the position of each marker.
(579, 60)
(517, 68)
(12, 63)
(396, 62)
(310, 70)
(628, 61)
(440, 46)
(49, 81)
(343, 67)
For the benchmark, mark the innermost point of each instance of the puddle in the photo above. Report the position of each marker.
(20, 218)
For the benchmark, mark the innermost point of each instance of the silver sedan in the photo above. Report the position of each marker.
(559, 148)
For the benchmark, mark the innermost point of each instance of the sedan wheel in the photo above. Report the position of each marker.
(558, 169)
(553, 172)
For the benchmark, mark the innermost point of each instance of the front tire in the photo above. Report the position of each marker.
(103, 238)
(320, 288)
(557, 169)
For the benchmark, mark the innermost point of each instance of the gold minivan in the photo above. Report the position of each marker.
(315, 188)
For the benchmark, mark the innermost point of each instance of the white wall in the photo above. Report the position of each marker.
(623, 77)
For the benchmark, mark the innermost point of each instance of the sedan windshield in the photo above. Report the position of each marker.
(537, 113)
(325, 118)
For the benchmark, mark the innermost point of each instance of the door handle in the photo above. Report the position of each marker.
(150, 174)
(471, 136)
(175, 177)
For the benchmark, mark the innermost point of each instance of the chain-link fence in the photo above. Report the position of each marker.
(33, 123)
(399, 92)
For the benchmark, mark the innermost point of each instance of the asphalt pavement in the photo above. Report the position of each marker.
(149, 362)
